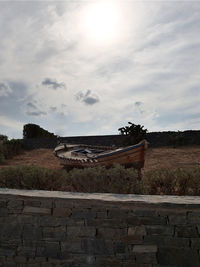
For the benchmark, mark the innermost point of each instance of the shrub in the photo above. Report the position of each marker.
(113, 180)
(172, 182)
(133, 133)
(32, 177)
(11, 148)
(178, 139)
(99, 179)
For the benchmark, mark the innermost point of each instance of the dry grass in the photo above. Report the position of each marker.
(165, 157)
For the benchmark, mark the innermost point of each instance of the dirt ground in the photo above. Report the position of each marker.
(165, 157)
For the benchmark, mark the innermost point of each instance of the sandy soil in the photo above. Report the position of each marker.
(165, 157)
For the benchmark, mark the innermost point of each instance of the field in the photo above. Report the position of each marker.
(165, 157)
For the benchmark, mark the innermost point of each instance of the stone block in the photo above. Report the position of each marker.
(134, 221)
(147, 258)
(48, 249)
(111, 223)
(36, 210)
(160, 230)
(64, 203)
(15, 204)
(186, 231)
(165, 241)
(37, 260)
(145, 249)
(32, 203)
(177, 219)
(117, 213)
(26, 251)
(83, 214)
(193, 217)
(3, 203)
(132, 239)
(71, 246)
(74, 222)
(52, 221)
(80, 231)
(178, 257)
(137, 230)
(111, 233)
(195, 243)
(32, 232)
(11, 231)
(58, 233)
(119, 247)
(97, 246)
(4, 211)
(144, 213)
(62, 212)
(20, 259)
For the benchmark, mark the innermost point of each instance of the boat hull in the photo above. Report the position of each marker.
(132, 156)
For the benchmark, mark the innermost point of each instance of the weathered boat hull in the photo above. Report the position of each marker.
(132, 156)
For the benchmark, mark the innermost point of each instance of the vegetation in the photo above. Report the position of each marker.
(35, 131)
(133, 133)
(173, 182)
(114, 180)
(9, 148)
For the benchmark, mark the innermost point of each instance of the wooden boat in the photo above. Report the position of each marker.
(81, 156)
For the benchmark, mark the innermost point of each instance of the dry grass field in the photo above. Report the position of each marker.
(165, 157)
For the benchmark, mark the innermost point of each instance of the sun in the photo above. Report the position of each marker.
(101, 21)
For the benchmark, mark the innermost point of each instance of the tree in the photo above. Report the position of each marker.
(133, 133)
(35, 131)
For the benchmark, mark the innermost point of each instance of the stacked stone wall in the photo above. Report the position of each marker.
(46, 229)
(155, 139)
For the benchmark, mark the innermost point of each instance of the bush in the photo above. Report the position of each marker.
(113, 180)
(133, 133)
(32, 177)
(99, 179)
(178, 139)
(11, 148)
(173, 182)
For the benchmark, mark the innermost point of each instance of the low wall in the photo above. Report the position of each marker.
(155, 139)
(35, 143)
(41, 228)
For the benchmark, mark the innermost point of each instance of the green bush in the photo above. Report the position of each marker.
(11, 148)
(132, 134)
(32, 177)
(99, 179)
(113, 180)
(178, 139)
(172, 182)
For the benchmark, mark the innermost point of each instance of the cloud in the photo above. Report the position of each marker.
(11, 123)
(36, 113)
(5, 89)
(33, 110)
(53, 109)
(53, 83)
(88, 98)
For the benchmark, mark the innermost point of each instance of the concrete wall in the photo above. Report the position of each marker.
(41, 228)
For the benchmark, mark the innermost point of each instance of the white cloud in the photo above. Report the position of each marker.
(155, 62)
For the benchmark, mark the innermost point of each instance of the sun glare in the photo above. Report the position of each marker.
(101, 21)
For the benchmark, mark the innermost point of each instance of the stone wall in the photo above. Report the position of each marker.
(46, 229)
(155, 139)
(35, 143)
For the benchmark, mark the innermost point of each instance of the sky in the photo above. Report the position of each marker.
(89, 67)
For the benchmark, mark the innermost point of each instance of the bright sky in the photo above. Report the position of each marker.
(89, 67)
